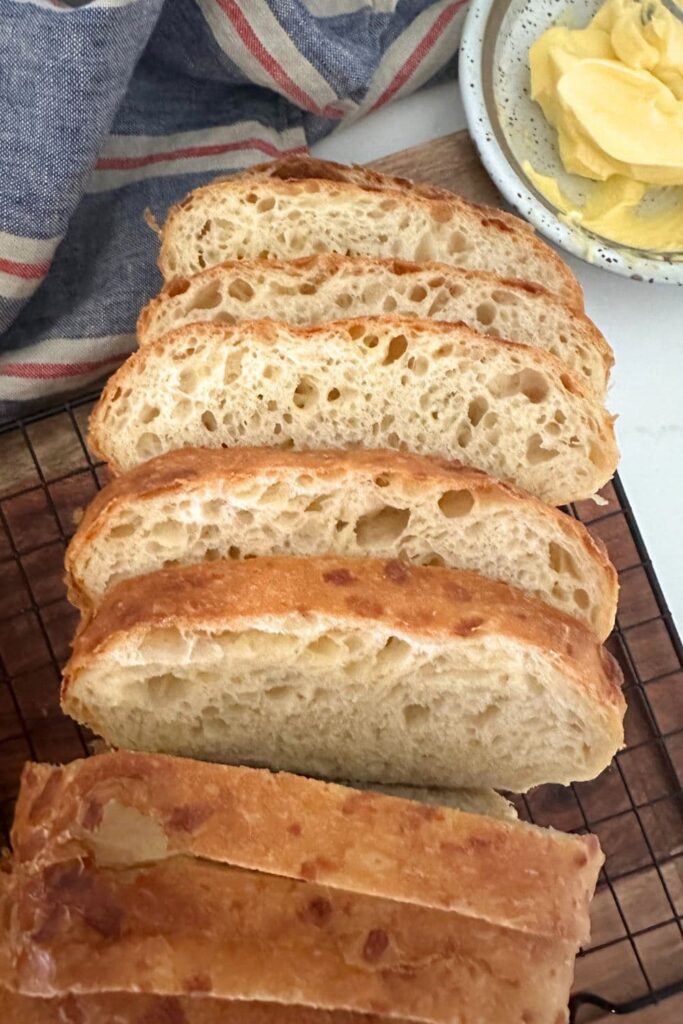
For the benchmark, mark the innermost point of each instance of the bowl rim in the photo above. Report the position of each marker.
(502, 166)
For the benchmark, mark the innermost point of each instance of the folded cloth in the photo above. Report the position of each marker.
(115, 106)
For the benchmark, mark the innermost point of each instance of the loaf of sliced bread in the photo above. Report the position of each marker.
(348, 668)
(300, 207)
(182, 926)
(386, 382)
(317, 289)
(199, 504)
(123, 809)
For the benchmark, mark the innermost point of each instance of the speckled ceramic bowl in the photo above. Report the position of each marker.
(509, 128)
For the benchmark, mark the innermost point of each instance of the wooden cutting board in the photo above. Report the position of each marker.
(46, 477)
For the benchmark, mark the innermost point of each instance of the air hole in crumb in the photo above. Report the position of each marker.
(476, 410)
(382, 527)
(536, 453)
(485, 313)
(278, 692)
(382, 481)
(209, 421)
(436, 562)
(178, 286)
(323, 647)
(397, 348)
(569, 384)
(562, 561)
(241, 290)
(149, 413)
(333, 394)
(530, 383)
(207, 297)
(464, 435)
(457, 242)
(305, 394)
(417, 293)
(187, 381)
(124, 530)
(148, 445)
(415, 714)
(504, 298)
(581, 598)
(456, 504)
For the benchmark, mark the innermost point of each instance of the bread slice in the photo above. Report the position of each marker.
(123, 809)
(348, 668)
(431, 388)
(138, 1008)
(198, 504)
(321, 288)
(472, 801)
(300, 207)
(187, 927)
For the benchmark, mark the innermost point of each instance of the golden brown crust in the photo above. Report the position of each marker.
(508, 873)
(196, 467)
(269, 332)
(182, 927)
(138, 1008)
(289, 170)
(328, 264)
(415, 600)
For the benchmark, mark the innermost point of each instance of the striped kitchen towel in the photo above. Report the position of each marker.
(114, 106)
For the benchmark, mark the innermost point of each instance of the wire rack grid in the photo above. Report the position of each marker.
(47, 476)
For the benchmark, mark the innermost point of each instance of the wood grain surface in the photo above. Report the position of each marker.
(635, 807)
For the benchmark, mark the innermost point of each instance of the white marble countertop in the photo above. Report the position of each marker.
(643, 323)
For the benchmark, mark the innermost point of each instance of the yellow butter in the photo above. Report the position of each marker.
(614, 93)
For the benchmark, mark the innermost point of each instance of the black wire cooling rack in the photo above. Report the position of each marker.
(47, 475)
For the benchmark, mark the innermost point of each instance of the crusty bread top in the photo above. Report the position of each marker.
(129, 808)
(420, 601)
(300, 167)
(442, 203)
(184, 926)
(186, 468)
